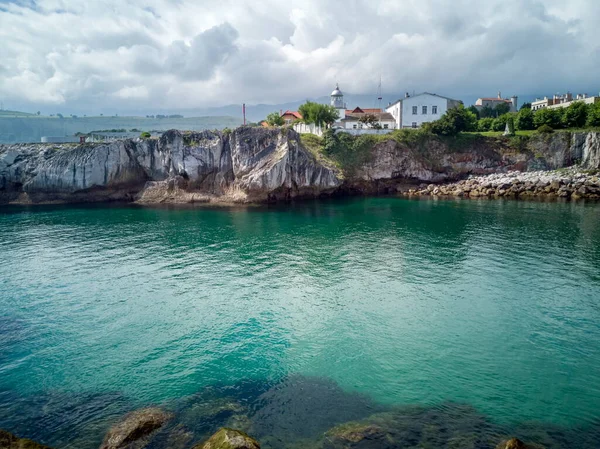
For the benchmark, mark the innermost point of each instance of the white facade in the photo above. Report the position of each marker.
(337, 101)
(413, 111)
(354, 123)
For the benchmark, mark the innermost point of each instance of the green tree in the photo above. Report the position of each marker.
(501, 109)
(550, 117)
(474, 110)
(317, 113)
(145, 135)
(593, 117)
(575, 116)
(455, 120)
(499, 123)
(486, 112)
(370, 120)
(525, 106)
(525, 119)
(275, 119)
(485, 124)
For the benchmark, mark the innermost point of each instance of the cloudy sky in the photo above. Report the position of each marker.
(182, 54)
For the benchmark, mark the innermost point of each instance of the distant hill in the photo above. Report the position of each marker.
(4, 113)
(31, 127)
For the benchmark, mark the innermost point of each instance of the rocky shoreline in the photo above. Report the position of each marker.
(137, 429)
(262, 165)
(572, 183)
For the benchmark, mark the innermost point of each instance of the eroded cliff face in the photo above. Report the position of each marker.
(437, 161)
(249, 164)
(258, 164)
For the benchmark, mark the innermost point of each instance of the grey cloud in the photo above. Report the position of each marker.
(199, 59)
(187, 54)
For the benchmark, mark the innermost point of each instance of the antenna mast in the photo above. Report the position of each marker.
(379, 98)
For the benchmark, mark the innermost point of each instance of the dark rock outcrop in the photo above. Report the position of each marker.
(10, 441)
(515, 443)
(227, 438)
(133, 430)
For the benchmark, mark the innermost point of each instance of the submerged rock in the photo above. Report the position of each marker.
(10, 441)
(357, 435)
(227, 438)
(133, 430)
(515, 443)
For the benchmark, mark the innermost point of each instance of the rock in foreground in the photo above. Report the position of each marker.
(515, 443)
(567, 183)
(229, 439)
(132, 431)
(10, 441)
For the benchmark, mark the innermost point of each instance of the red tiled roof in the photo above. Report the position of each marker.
(295, 114)
(359, 110)
(495, 99)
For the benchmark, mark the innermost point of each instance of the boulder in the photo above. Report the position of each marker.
(133, 431)
(227, 438)
(515, 443)
(10, 441)
(357, 435)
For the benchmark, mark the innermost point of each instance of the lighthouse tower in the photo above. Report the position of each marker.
(337, 101)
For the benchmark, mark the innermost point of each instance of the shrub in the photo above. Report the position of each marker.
(545, 129)
(593, 116)
(510, 122)
(274, 119)
(550, 117)
(485, 124)
(524, 120)
(499, 124)
(145, 135)
(455, 120)
(575, 116)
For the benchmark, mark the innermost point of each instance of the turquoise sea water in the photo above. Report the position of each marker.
(492, 304)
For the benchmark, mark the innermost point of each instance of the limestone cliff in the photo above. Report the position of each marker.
(249, 164)
(258, 164)
(443, 160)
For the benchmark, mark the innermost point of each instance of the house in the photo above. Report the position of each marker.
(562, 101)
(492, 102)
(290, 117)
(358, 118)
(413, 111)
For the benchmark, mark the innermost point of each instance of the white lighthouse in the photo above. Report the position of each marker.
(337, 101)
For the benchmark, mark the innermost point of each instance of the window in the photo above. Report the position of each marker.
(434, 110)
(360, 126)
(424, 110)
(414, 124)
(414, 110)
(386, 126)
(354, 126)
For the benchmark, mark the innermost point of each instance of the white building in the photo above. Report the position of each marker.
(413, 111)
(562, 101)
(492, 102)
(358, 118)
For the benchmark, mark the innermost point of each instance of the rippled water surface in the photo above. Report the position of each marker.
(332, 309)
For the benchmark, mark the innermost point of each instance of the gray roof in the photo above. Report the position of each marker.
(337, 92)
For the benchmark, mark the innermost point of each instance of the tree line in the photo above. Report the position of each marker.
(577, 115)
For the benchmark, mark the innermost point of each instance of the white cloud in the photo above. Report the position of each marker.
(186, 54)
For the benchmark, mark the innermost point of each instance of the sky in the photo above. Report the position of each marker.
(185, 54)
